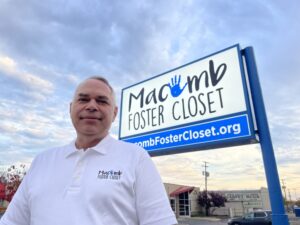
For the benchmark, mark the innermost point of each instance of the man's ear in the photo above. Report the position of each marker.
(70, 108)
(115, 113)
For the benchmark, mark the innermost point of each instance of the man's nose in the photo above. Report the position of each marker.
(92, 105)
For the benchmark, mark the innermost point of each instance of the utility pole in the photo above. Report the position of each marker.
(290, 202)
(205, 174)
(295, 194)
(284, 187)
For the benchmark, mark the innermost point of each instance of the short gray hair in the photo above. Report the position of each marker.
(105, 81)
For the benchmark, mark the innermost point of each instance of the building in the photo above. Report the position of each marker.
(183, 199)
(240, 202)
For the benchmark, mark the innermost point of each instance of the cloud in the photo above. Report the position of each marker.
(7, 128)
(73, 79)
(14, 157)
(108, 40)
(228, 168)
(9, 68)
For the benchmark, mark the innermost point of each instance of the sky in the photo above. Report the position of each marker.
(48, 47)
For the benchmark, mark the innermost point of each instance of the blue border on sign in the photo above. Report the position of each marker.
(200, 133)
(248, 112)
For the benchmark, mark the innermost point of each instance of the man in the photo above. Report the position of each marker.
(95, 180)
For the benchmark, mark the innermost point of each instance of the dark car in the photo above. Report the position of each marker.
(253, 218)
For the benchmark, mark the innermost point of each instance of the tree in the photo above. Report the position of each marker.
(211, 199)
(10, 180)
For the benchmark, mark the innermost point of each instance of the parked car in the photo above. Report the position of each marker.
(253, 218)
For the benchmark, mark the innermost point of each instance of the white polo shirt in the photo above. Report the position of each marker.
(113, 183)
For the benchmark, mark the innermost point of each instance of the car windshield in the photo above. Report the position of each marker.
(259, 214)
(249, 215)
(269, 213)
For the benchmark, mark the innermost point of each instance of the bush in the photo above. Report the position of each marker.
(11, 180)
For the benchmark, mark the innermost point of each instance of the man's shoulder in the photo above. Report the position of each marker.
(128, 148)
(47, 159)
(124, 143)
(54, 152)
(127, 145)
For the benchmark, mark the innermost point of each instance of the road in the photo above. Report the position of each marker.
(216, 221)
(201, 221)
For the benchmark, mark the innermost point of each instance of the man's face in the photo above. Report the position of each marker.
(93, 109)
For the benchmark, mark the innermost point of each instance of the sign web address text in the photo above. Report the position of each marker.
(229, 128)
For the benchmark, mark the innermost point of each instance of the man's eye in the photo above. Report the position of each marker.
(82, 99)
(102, 101)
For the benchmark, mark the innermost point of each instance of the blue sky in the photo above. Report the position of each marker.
(47, 47)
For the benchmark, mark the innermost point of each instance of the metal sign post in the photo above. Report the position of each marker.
(278, 213)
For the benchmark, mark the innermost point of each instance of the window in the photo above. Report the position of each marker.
(173, 204)
(184, 204)
(259, 214)
(249, 215)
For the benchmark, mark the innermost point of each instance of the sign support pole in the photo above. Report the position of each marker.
(278, 213)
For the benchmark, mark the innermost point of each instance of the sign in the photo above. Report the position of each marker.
(243, 196)
(200, 105)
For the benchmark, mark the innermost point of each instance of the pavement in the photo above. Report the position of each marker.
(293, 219)
(202, 221)
(223, 221)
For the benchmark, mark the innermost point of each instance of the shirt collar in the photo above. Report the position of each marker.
(101, 147)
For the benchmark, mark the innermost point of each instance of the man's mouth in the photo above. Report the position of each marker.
(89, 118)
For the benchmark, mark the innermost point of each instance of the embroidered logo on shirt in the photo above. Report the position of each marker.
(109, 175)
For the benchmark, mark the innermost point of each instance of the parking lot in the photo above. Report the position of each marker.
(222, 221)
(202, 221)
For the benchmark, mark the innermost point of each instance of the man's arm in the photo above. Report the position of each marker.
(152, 203)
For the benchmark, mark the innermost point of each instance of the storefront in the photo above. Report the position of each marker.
(183, 199)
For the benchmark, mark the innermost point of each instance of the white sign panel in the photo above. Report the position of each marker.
(194, 94)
